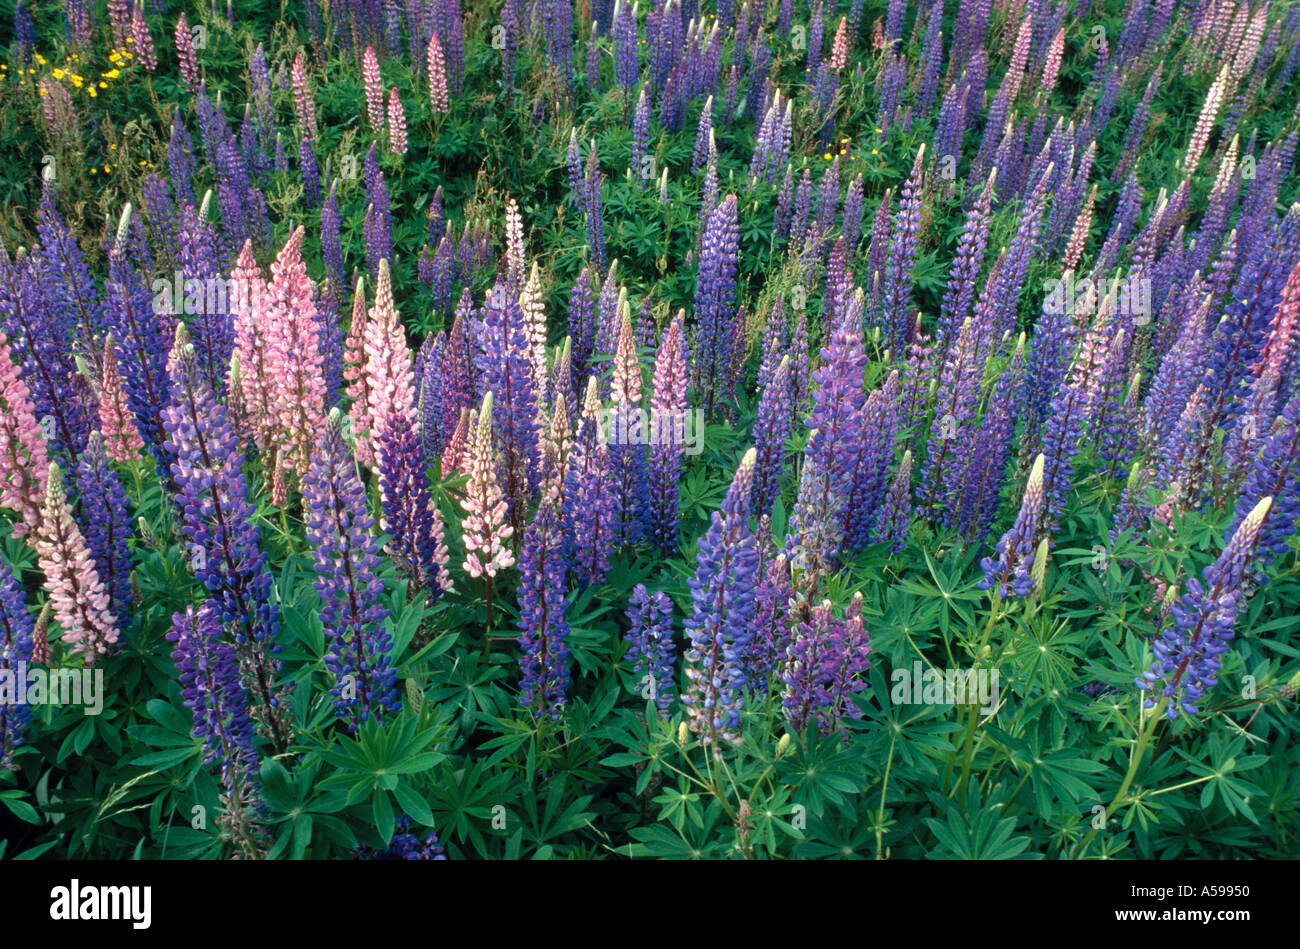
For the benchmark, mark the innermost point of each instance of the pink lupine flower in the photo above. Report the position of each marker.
(77, 596)
(485, 527)
(389, 371)
(1285, 330)
(1079, 233)
(515, 262)
(189, 64)
(437, 75)
(374, 90)
(625, 386)
(530, 302)
(122, 441)
(144, 49)
(354, 360)
(293, 357)
(840, 47)
(1052, 66)
(279, 487)
(396, 124)
(24, 463)
(302, 100)
(257, 386)
(453, 456)
(60, 117)
(1218, 91)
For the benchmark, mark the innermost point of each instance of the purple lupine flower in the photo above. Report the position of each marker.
(406, 845)
(626, 66)
(771, 430)
(985, 463)
(869, 477)
(591, 501)
(544, 663)
(410, 516)
(67, 286)
(640, 140)
(16, 642)
(106, 522)
(505, 369)
(43, 343)
(210, 323)
(429, 377)
(344, 557)
(958, 392)
(722, 614)
(457, 384)
(651, 649)
(1276, 474)
(715, 294)
(213, 692)
(180, 159)
(142, 341)
(766, 651)
(703, 133)
(902, 255)
(1010, 573)
(331, 242)
(896, 511)
(827, 658)
(218, 522)
(836, 419)
(852, 216)
(966, 264)
(1188, 651)
(592, 185)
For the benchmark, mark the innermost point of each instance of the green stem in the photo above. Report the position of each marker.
(1135, 760)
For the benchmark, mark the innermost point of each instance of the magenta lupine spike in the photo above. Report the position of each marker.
(396, 124)
(77, 596)
(409, 512)
(767, 649)
(293, 358)
(303, 105)
(485, 529)
(437, 70)
(388, 371)
(189, 64)
(24, 462)
(667, 402)
(251, 347)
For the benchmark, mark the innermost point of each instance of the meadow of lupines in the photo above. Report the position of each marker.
(466, 429)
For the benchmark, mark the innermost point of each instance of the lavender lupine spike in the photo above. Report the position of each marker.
(211, 687)
(902, 254)
(1188, 651)
(714, 304)
(106, 516)
(767, 649)
(345, 562)
(651, 649)
(720, 624)
(543, 596)
(1010, 573)
(217, 521)
(896, 512)
(591, 500)
(410, 515)
(1275, 473)
(826, 660)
